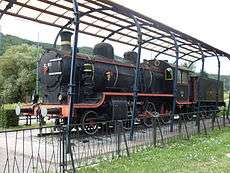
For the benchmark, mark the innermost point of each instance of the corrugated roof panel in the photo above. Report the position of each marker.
(38, 4)
(26, 11)
(101, 22)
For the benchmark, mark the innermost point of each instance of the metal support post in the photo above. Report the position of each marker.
(175, 81)
(72, 85)
(217, 95)
(199, 115)
(136, 80)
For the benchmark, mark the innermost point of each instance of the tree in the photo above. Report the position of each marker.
(17, 72)
(204, 74)
(191, 67)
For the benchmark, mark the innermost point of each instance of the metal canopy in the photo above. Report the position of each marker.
(111, 21)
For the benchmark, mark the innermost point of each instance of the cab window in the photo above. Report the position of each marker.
(185, 78)
(169, 74)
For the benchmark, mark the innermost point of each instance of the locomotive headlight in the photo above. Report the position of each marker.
(18, 110)
(44, 112)
(176, 117)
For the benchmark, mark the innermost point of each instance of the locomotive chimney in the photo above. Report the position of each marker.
(104, 50)
(131, 57)
(66, 41)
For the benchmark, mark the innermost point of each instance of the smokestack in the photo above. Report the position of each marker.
(66, 41)
(104, 49)
(131, 57)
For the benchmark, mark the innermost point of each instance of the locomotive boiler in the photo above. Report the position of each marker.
(95, 74)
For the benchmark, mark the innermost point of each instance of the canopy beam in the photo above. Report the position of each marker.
(9, 6)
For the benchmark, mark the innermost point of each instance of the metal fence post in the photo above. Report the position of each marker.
(202, 119)
(224, 114)
(64, 161)
(60, 151)
(27, 120)
(40, 122)
(154, 122)
(125, 140)
(118, 130)
(198, 122)
(185, 126)
(213, 120)
(218, 123)
(180, 123)
(228, 109)
(161, 133)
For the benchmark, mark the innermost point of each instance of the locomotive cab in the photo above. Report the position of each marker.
(183, 85)
(183, 78)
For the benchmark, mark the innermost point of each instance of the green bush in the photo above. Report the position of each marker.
(8, 118)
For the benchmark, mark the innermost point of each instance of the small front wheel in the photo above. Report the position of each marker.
(89, 123)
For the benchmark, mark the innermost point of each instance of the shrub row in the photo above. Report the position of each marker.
(8, 118)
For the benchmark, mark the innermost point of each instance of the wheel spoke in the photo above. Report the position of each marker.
(148, 110)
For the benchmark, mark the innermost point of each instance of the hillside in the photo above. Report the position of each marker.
(8, 40)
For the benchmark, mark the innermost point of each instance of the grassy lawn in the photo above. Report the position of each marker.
(198, 155)
(21, 127)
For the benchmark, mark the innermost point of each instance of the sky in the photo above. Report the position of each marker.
(207, 20)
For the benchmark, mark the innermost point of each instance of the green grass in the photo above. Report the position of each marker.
(200, 154)
(25, 127)
(21, 127)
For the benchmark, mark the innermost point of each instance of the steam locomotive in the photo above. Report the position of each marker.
(104, 87)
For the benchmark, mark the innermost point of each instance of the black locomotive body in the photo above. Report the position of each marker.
(104, 86)
(208, 88)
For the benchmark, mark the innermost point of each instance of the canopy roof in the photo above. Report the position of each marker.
(108, 20)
